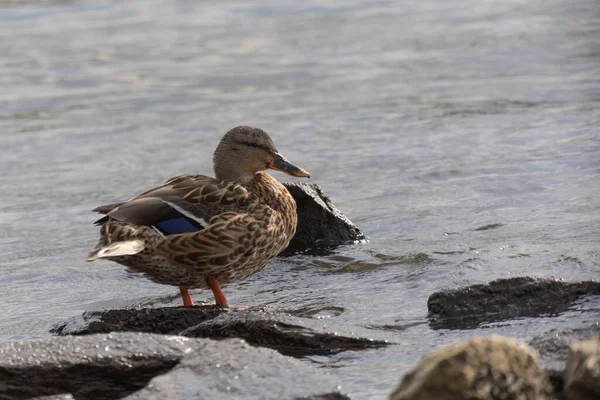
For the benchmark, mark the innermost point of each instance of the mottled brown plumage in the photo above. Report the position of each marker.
(242, 223)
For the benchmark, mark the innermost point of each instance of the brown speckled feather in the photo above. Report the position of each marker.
(197, 196)
(246, 228)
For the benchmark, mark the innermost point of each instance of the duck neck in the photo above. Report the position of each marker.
(274, 194)
(230, 174)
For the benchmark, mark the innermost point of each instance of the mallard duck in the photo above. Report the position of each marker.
(194, 231)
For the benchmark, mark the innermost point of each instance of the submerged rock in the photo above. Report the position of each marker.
(483, 368)
(118, 365)
(320, 223)
(553, 347)
(582, 373)
(503, 299)
(289, 335)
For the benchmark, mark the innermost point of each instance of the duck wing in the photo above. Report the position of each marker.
(184, 203)
(224, 242)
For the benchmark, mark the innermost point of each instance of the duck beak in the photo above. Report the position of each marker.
(279, 163)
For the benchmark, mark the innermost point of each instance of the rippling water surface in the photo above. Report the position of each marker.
(463, 137)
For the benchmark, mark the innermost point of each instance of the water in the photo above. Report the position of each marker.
(423, 120)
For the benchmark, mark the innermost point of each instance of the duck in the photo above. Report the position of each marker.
(199, 232)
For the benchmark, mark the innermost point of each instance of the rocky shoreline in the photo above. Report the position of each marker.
(205, 352)
(151, 366)
(495, 367)
(289, 335)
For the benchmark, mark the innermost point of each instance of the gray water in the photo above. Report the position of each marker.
(423, 120)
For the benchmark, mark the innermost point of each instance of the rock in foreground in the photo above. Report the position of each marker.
(320, 223)
(553, 346)
(117, 365)
(289, 335)
(102, 366)
(582, 373)
(243, 372)
(479, 369)
(502, 299)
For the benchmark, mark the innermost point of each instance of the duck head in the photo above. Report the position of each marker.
(244, 151)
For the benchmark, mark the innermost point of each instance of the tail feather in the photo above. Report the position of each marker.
(105, 209)
(117, 239)
(117, 249)
(102, 220)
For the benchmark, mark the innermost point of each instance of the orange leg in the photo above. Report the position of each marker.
(187, 297)
(216, 289)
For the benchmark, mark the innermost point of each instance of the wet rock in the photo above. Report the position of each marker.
(320, 223)
(479, 369)
(117, 365)
(289, 335)
(98, 366)
(582, 373)
(168, 320)
(243, 372)
(502, 299)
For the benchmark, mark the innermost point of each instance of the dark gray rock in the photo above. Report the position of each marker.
(99, 366)
(168, 320)
(320, 223)
(243, 372)
(502, 299)
(117, 365)
(289, 335)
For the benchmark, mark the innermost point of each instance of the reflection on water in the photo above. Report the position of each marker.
(318, 312)
(340, 264)
(461, 137)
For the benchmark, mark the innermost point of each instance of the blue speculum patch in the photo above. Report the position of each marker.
(177, 225)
